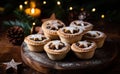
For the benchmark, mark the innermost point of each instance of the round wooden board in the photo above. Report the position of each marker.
(39, 61)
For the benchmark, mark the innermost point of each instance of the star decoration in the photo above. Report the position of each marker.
(12, 64)
(52, 17)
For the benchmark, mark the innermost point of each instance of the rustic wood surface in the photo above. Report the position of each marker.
(39, 61)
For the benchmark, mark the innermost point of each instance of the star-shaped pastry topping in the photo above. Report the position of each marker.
(71, 29)
(54, 24)
(12, 64)
(52, 17)
(57, 43)
(79, 24)
(93, 33)
(85, 43)
(37, 37)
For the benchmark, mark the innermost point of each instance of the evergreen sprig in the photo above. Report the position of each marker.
(20, 15)
(24, 25)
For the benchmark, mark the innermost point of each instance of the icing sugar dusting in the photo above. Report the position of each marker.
(55, 23)
(94, 33)
(71, 29)
(56, 43)
(39, 36)
(81, 24)
(85, 43)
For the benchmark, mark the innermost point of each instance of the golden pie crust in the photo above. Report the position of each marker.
(56, 54)
(86, 26)
(70, 38)
(97, 36)
(85, 52)
(52, 34)
(36, 45)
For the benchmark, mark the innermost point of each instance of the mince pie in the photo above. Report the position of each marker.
(70, 34)
(51, 27)
(56, 50)
(86, 26)
(35, 42)
(97, 36)
(84, 49)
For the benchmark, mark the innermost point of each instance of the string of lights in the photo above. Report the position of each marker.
(103, 9)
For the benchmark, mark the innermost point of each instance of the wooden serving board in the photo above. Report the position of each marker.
(103, 57)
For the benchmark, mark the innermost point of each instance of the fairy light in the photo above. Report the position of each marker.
(70, 8)
(44, 2)
(26, 2)
(32, 10)
(33, 23)
(20, 7)
(93, 9)
(58, 3)
(82, 9)
(2, 9)
(102, 16)
(33, 26)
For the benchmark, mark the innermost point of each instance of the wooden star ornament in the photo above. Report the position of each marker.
(52, 17)
(12, 64)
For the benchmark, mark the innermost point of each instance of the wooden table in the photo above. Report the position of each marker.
(40, 62)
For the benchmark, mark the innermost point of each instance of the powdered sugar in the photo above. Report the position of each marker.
(94, 33)
(76, 23)
(54, 23)
(81, 24)
(71, 29)
(39, 36)
(56, 43)
(85, 43)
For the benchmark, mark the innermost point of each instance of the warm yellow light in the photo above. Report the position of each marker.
(82, 9)
(102, 16)
(32, 10)
(70, 8)
(33, 23)
(58, 3)
(33, 26)
(44, 2)
(26, 2)
(20, 7)
(35, 12)
(94, 9)
(2, 9)
(32, 4)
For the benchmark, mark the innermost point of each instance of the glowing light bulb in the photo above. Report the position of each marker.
(33, 26)
(26, 2)
(102, 16)
(32, 10)
(82, 9)
(70, 8)
(33, 23)
(44, 2)
(21, 7)
(94, 9)
(58, 3)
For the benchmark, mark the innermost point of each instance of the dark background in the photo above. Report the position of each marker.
(108, 7)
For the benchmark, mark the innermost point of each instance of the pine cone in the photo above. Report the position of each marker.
(15, 35)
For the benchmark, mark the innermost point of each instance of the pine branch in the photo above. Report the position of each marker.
(23, 17)
(24, 25)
